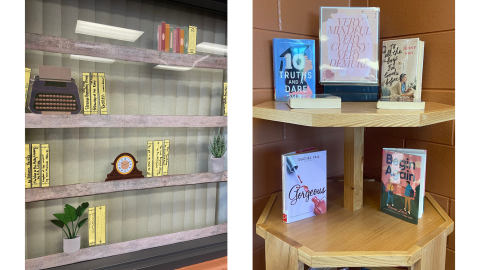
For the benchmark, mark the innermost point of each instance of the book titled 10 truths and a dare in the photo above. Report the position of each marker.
(304, 180)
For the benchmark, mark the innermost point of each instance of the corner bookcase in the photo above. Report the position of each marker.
(354, 232)
(143, 104)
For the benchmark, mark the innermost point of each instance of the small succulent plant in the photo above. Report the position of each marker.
(218, 146)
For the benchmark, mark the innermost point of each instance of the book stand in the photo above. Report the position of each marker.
(354, 232)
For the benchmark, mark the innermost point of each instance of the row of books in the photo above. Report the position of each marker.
(97, 225)
(304, 184)
(37, 165)
(94, 93)
(349, 63)
(177, 40)
(157, 158)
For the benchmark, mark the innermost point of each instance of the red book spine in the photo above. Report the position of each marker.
(175, 35)
(163, 37)
(178, 40)
(159, 37)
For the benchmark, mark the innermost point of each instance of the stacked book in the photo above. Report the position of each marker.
(353, 93)
(318, 101)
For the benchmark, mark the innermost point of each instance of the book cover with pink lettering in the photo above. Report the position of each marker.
(403, 183)
(349, 45)
(304, 184)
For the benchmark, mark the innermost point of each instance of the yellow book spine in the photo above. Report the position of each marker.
(156, 154)
(36, 165)
(45, 150)
(28, 167)
(91, 226)
(102, 93)
(192, 40)
(149, 158)
(165, 157)
(160, 159)
(27, 82)
(86, 93)
(100, 224)
(225, 99)
(94, 93)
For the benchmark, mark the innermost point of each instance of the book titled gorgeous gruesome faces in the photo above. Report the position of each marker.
(349, 45)
(304, 179)
(293, 68)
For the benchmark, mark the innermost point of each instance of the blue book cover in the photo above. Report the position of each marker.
(293, 67)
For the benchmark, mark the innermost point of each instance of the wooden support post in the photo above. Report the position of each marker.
(280, 255)
(353, 168)
(433, 254)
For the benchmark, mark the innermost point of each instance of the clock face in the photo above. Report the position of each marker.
(124, 165)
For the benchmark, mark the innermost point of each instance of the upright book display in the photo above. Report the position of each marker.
(293, 68)
(304, 184)
(349, 52)
(403, 183)
(402, 68)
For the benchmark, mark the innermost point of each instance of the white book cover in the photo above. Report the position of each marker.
(349, 45)
(304, 179)
(402, 67)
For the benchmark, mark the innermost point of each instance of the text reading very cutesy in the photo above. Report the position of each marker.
(404, 165)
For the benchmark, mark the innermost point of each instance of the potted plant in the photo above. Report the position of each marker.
(71, 243)
(217, 147)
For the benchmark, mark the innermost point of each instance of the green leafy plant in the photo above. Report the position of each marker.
(71, 215)
(218, 146)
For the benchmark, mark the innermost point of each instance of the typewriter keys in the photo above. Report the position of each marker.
(54, 102)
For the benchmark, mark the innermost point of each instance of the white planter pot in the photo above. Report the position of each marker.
(71, 245)
(217, 164)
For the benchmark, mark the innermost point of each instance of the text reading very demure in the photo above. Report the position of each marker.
(348, 45)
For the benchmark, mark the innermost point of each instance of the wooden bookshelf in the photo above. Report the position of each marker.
(102, 251)
(366, 237)
(355, 114)
(129, 121)
(71, 46)
(95, 188)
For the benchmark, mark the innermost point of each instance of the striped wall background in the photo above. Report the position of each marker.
(80, 155)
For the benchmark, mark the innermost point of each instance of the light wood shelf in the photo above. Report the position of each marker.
(71, 46)
(95, 188)
(366, 237)
(355, 114)
(115, 121)
(102, 251)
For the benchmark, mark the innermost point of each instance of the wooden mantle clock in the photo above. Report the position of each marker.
(124, 167)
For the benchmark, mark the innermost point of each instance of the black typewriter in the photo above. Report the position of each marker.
(54, 96)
